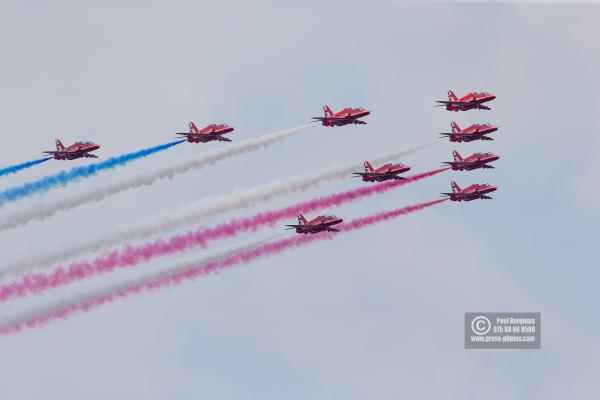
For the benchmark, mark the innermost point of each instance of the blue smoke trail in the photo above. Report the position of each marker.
(16, 168)
(64, 177)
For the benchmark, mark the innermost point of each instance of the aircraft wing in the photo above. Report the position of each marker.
(344, 118)
(471, 163)
(462, 163)
(455, 134)
(295, 226)
(463, 136)
(215, 136)
(308, 228)
(379, 175)
(370, 174)
(195, 134)
(459, 103)
(49, 152)
(212, 136)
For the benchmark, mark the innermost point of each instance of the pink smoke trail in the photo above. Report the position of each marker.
(133, 255)
(241, 257)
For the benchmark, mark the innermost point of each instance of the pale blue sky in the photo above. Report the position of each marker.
(373, 314)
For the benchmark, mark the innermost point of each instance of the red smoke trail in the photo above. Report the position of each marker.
(241, 257)
(133, 255)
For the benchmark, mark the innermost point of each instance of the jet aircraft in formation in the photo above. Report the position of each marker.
(321, 223)
(207, 134)
(470, 101)
(470, 133)
(384, 173)
(474, 161)
(473, 192)
(345, 117)
(74, 151)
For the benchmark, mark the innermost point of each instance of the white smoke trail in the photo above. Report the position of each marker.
(202, 208)
(131, 282)
(197, 161)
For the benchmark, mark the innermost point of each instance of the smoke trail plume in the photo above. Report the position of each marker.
(19, 167)
(197, 161)
(65, 177)
(205, 208)
(133, 255)
(142, 280)
(91, 301)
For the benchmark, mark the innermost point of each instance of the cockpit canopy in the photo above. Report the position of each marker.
(327, 216)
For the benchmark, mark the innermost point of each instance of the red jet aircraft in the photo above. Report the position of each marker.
(470, 101)
(341, 118)
(470, 133)
(384, 173)
(319, 224)
(76, 150)
(474, 161)
(472, 192)
(207, 134)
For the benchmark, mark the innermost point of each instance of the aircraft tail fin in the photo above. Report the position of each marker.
(455, 187)
(452, 96)
(59, 145)
(455, 127)
(193, 128)
(301, 219)
(327, 111)
(368, 167)
(457, 156)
